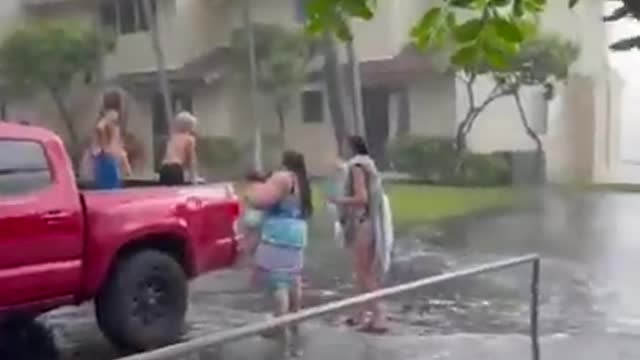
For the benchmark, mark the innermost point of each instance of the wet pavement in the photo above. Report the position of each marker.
(589, 294)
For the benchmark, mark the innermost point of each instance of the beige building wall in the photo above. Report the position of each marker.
(432, 105)
(212, 107)
(498, 128)
(134, 52)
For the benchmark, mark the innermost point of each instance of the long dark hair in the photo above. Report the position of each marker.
(358, 145)
(294, 162)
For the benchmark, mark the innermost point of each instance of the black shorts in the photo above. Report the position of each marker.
(171, 175)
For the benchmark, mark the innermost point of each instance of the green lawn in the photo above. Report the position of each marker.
(416, 204)
(419, 204)
(621, 188)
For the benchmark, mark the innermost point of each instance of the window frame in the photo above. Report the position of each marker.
(114, 8)
(47, 162)
(300, 11)
(319, 119)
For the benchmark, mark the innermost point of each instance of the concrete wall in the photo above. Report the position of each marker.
(134, 52)
(212, 107)
(432, 105)
(498, 128)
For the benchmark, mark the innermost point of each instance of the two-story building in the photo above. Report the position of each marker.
(402, 91)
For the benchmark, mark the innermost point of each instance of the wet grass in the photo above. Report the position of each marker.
(415, 204)
(619, 188)
(419, 204)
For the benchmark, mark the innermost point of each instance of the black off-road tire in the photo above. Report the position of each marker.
(144, 302)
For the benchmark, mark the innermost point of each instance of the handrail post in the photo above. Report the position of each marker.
(535, 299)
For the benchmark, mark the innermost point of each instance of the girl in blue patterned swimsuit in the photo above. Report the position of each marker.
(279, 257)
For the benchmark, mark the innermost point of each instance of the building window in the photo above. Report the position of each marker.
(301, 10)
(126, 16)
(312, 106)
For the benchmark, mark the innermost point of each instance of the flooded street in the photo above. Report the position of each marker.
(589, 293)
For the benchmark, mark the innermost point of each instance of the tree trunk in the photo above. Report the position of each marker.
(100, 72)
(253, 88)
(281, 126)
(531, 133)
(355, 83)
(463, 129)
(74, 139)
(163, 80)
(461, 133)
(335, 90)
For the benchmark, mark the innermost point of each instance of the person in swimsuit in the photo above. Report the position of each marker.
(359, 236)
(109, 158)
(106, 159)
(279, 257)
(180, 156)
(252, 217)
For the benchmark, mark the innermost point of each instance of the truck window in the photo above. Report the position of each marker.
(23, 167)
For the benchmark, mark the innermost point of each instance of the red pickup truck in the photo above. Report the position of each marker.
(131, 250)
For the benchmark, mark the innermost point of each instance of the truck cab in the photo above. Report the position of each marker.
(130, 250)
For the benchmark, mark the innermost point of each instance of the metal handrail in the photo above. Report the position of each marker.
(185, 348)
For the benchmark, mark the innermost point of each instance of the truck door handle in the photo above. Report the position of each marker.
(55, 215)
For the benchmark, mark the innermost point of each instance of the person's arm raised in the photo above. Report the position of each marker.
(271, 191)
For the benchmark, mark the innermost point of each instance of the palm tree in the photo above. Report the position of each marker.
(253, 72)
(165, 88)
(336, 91)
(355, 83)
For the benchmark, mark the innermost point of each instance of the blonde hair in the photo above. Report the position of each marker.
(185, 121)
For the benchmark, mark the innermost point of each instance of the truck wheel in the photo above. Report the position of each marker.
(144, 302)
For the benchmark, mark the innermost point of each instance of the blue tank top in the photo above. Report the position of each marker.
(106, 171)
(284, 225)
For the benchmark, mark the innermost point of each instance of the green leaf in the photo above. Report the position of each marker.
(572, 3)
(534, 6)
(358, 8)
(499, 3)
(426, 32)
(507, 30)
(427, 23)
(496, 57)
(465, 4)
(518, 8)
(469, 31)
(465, 56)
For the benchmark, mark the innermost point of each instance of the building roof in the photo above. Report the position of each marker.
(206, 69)
(393, 71)
(401, 68)
(215, 65)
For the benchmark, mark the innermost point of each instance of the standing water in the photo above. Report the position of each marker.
(589, 296)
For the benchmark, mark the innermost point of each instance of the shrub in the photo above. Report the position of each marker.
(436, 160)
(483, 170)
(429, 159)
(219, 157)
(224, 158)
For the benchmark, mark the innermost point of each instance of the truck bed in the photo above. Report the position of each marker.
(203, 213)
